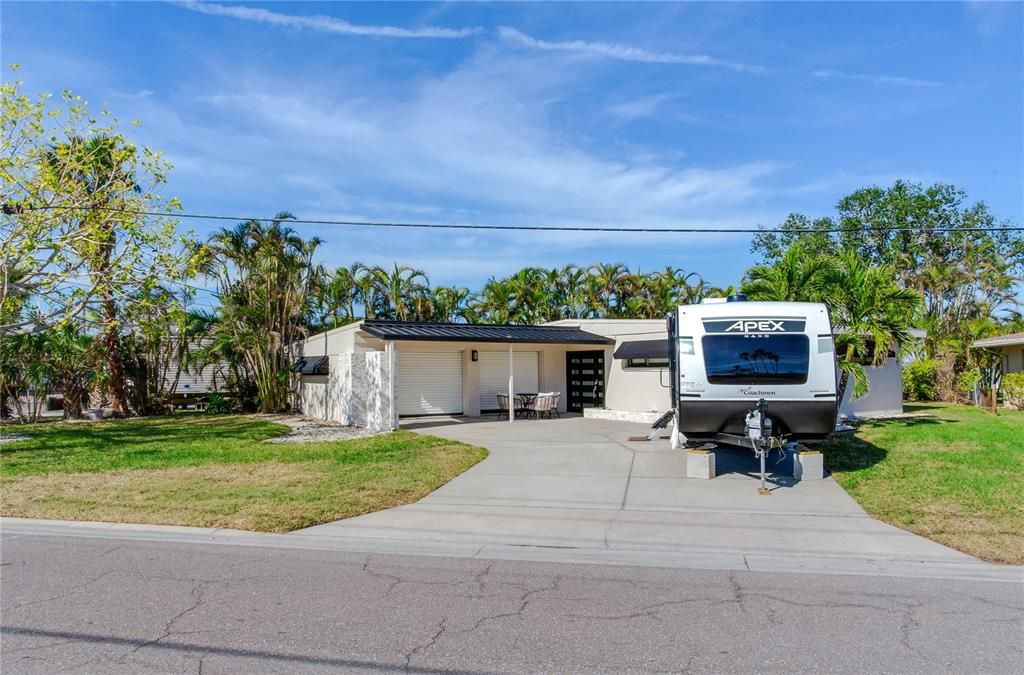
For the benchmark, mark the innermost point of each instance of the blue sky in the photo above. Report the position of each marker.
(725, 114)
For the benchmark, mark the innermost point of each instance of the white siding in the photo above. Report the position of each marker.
(494, 375)
(629, 389)
(429, 383)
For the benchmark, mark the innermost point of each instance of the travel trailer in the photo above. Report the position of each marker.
(743, 370)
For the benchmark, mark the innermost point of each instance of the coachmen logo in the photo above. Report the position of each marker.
(760, 326)
(749, 391)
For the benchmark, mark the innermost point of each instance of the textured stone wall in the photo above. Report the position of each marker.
(313, 396)
(358, 391)
(381, 407)
(621, 415)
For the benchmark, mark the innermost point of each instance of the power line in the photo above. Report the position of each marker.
(529, 228)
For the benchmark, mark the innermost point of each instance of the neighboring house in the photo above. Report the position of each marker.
(191, 385)
(1011, 347)
(372, 372)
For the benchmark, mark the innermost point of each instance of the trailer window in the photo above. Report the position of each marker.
(756, 359)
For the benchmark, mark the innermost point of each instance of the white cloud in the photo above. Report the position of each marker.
(141, 93)
(326, 24)
(639, 108)
(624, 52)
(485, 143)
(876, 79)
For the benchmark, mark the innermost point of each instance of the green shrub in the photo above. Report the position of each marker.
(217, 405)
(967, 380)
(919, 380)
(1013, 390)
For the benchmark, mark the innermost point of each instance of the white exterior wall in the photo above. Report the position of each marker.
(629, 389)
(885, 396)
(357, 391)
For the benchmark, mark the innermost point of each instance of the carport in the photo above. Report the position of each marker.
(459, 369)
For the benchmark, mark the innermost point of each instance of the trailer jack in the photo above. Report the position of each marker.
(757, 437)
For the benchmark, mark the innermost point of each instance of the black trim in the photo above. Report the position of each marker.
(468, 332)
(642, 349)
(311, 365)
(809, 420)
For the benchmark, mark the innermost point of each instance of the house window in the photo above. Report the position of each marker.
(647, 363)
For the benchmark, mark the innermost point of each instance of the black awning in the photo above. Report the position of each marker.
(311, 365)
(469, 332)
(642, 349)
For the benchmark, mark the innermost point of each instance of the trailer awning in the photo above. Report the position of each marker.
(642, 349)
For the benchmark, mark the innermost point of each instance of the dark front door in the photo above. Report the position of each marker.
(584, 377)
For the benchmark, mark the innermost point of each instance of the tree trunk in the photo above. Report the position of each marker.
(73, 393)
(115, 358)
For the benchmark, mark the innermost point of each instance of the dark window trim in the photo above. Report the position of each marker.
(634, 364)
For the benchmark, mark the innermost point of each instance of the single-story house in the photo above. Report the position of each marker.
(1011, 346)
(372, 372)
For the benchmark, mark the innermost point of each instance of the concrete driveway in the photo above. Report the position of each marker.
(580, 483)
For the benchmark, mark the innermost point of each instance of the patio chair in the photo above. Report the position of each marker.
(541, 405)
(502, 405)
(554, 405)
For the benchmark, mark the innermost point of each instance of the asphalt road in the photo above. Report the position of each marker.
(114, 605)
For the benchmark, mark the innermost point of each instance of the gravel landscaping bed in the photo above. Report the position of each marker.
(308, 430)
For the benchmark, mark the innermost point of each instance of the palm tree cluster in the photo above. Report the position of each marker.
(266, 277)
(872, 314)
(531, 295)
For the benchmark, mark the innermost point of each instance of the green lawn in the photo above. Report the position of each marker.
(216, 472)
(955, 475)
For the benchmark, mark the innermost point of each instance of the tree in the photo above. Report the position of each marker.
(449, 304)
(72, 356)
(871, 316)
(264, 273)
(73, 238)
(605, 283)
(334, 298)
(958, 257)
(796, 277)
(25, 375)
(398, 290)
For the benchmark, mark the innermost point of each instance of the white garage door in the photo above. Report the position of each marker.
(429, 383)
(494, 375)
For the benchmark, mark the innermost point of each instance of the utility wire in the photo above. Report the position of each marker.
(530, 228)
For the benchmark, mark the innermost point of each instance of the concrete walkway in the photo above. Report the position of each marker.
(580, 484)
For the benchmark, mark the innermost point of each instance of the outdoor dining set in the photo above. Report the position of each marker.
(529, 405)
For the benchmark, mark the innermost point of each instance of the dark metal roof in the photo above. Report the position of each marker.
(642, 349)
(475, 332)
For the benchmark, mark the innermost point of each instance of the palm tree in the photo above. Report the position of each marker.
(605, 286)
(265, 274)
(365, 282)
(449, 304)
(797, 277)
(398, 290)
(493, 303)
(98, 169)
(335, 297)
(871, 316)
(572, 287)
